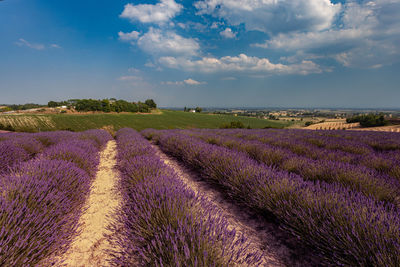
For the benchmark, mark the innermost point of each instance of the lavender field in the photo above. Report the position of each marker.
(44, 180)
(335, 193)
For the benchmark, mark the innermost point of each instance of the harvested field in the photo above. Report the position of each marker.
(391, 128)
(333, 125)
(34, 122)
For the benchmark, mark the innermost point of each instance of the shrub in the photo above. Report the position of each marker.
(369, 120)
(233, 125)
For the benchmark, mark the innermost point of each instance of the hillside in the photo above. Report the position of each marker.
(164, 120)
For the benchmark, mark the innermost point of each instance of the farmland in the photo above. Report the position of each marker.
(163, 120)
(200, 197)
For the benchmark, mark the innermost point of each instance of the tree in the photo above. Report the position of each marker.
(369, 120)
(52, 104)
(143, 107)
(197, 109)
(150, 103)
(233, 125)
(105, 104)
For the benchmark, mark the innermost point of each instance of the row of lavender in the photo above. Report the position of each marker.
(343, 225)
(376, 150)
(44, 180)
(369, 181)
(161, 222)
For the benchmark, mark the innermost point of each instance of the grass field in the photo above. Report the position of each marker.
(165, 120)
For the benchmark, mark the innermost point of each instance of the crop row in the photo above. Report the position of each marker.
(358, 178)
(379, 151)
(43, 186)
(345, 227)
(164, 223)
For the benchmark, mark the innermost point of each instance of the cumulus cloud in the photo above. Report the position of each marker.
(228, 33)
(241, 63)
(273, 16)
(367, 35)
(129, 36)
(310, 40)
(159, 13)
(22, 42)
(157, 42)
(184, 82)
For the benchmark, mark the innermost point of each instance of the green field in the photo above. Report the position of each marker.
(166, 120)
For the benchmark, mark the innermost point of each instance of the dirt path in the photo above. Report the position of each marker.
(88, 248)
(280, 249)
(239, 219)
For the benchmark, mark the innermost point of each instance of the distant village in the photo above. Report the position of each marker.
(300, 114)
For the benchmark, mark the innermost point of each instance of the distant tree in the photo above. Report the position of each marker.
(197, 109)
(369, 120)
(185, 109)
(52, 104)
(150, 103)
(25, 106)
(5, 109)
(105, 105)
(233, 125)
(143, 107)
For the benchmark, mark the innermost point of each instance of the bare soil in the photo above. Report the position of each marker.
(90, 247)
(278, 247)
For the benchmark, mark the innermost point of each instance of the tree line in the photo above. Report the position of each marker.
(106, 105)
(20, 107)
(369, 120)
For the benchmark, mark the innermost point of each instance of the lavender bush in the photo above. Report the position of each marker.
(371, 149)
(346, 227)
(41, 199)
(358, 178)
(164, 223)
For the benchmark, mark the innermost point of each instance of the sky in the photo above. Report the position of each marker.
(208, 53)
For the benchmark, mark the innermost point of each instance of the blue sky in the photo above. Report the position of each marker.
(280, 53)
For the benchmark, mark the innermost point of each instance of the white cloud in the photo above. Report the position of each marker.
(22, 42)
(228, 33)
(182, 25)
(150, 64)
(367, 35)
(157, 42)
(193, 82)
(273, 16)
(310, 40)
(159, 13)
(241, 63)
(129, 36)
(130, 78)
(55, 46)
(134, 70)
(215, 25)
(184, 82)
